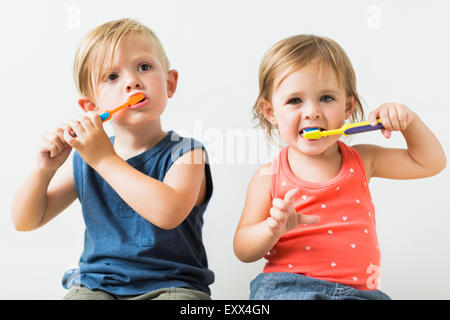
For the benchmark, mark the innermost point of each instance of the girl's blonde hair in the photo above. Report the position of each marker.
(294, 53)
(95, 53)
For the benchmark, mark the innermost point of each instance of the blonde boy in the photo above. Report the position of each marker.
(142, 196)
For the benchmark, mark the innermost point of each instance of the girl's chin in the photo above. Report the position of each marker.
(312, 146)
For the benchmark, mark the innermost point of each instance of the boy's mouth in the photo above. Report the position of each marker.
(139, 104)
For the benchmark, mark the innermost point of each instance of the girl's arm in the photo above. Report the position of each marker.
(264, 220)
(424, 156)
(253, 238)
(48, 189)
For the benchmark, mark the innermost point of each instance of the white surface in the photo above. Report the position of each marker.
(399, 50)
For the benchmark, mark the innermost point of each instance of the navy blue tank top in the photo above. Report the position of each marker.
(125, 254)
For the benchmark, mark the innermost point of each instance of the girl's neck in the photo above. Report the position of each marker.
(132, 140)
(321, 167)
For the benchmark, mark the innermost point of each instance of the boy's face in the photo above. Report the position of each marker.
(136, 68)
(309, 97)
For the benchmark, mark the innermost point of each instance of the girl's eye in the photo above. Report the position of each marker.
(327, 99)
(294, 101)
(112, 76)
(144, 67)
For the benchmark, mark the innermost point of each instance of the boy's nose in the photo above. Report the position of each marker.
(133, 83)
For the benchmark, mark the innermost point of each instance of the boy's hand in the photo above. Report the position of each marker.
(393, 116)
(283, 216)
(53, 149)
(91, 141)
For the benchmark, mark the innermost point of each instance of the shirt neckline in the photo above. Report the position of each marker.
(285, 167)
(144, 155)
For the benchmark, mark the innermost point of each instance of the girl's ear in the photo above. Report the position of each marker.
(267, 111)
(86, 104)
(172, 80)
(350, 105)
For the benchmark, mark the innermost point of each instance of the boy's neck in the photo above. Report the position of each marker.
(130, 141)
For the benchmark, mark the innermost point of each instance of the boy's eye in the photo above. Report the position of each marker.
(294, 101)
(144, 67)
(327, 98)
(112, 76)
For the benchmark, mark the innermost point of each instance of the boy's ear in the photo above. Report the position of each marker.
(267, 110)
(172, 80)
(86, 104)
(350, 106)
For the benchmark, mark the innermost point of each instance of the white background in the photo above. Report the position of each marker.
(400, 52)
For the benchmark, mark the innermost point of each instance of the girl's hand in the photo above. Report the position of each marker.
(393, 116)
(91, 141)
(53, 149)
(283, 216)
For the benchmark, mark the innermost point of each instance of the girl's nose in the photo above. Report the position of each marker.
(311, 112)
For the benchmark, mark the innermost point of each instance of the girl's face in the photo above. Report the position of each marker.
(308, 97)
(136, 69)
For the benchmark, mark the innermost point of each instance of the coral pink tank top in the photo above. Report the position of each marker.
(343, 246)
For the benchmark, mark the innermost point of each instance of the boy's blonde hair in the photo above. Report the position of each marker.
(95, 52)
(294, 53)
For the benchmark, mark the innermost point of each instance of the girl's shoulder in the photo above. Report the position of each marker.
(261, 180)
(366, 153)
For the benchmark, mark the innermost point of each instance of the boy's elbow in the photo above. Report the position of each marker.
(170, 219)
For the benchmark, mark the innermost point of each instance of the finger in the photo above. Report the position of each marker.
(86, 123)
(384, 117)
(278, 214)
(306, 219)
(290, 196)
(54, 139)
(373, 116)
(65, 127)
(71, 141)
(393, 116)
(77, 127)
(279, 203)
(48, 147)
(401, 112)
(386, 133)
(95, 119)
(272, 223)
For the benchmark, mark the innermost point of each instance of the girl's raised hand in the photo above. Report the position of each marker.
(393, 116)
(283, 216)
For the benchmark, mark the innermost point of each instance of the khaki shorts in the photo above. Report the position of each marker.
(78, 292)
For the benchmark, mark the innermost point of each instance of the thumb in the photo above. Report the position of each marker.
(386, 133)
(306, 219)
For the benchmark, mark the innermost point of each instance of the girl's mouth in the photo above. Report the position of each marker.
(306, 129)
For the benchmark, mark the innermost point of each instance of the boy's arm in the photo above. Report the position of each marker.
(165, 204)
(424, 156)
(42, 196)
